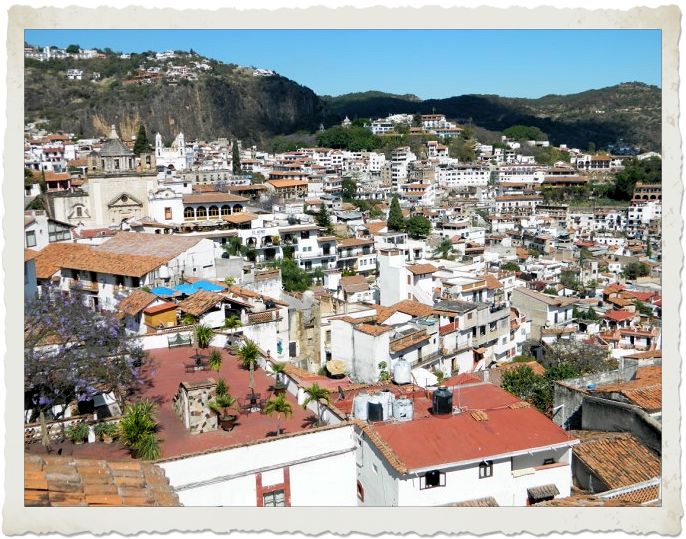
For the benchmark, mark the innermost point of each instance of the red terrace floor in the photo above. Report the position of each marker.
(168, 373)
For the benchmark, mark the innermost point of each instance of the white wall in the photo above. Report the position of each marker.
(321, 466)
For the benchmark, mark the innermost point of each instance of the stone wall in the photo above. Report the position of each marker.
(191, 405)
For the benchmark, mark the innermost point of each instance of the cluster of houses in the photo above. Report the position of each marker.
(410, 335)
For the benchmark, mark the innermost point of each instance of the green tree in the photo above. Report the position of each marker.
(317, 394)
(349, 189)
(444, 249)
(235, 158)
(523, 132)
(323, 219)
(636, 170)
(278, 406)
(293, 277)
(141, 145)
(257, 177)
(72, 49)
(418, 227)
(642, 308)
(524, 383)
(584, 358)
(633, 270)
(233, 246)
(396, 222)
(568, 279)
(510, 266)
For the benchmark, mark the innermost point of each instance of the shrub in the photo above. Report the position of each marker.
(78, 432)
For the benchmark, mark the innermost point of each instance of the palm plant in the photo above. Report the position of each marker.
(188, 320)
(232, 322)
(279, 368)
(247, 354)
(222, 388)
(280, 406)
(138, 428)
(203, 335)
(214, 360)
(221, 405)
(317, 394)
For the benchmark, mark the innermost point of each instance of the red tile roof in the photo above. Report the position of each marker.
(438, 440)
(422, 269)
(619, 316)
(618, 459)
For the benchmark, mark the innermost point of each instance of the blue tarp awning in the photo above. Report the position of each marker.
(206, 285)
(162, 291)
(187, 289)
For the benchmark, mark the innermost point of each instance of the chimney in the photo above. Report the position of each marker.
(191, 405)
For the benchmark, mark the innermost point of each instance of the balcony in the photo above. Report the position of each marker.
(86, 286)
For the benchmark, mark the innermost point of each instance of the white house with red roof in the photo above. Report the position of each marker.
(474, 445)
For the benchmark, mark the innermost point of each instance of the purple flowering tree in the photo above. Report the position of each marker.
(72, 353)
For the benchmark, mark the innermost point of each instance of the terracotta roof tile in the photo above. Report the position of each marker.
(65, 481)
(136, 302)
(421, 269)
(200, 302)
(354, 242)
(618, 460)
(207, 198)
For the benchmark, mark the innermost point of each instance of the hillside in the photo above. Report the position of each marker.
(631, 111)
(227, 101)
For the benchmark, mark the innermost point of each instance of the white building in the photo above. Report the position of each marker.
(178, 156)
(316, 468)
(462, 176)
(487, 449)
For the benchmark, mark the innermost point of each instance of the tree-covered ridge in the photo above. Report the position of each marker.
(227, 100)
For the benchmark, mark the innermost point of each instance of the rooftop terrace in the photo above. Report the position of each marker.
(167, 372)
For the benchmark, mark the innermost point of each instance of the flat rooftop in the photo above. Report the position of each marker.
(167, 372)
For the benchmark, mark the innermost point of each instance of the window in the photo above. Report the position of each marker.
(119, 279)
(276, 498)
(432, 479)
(486, 469)
(167, 213)
(548, 461)
(360, 491)
(79, 211)
(31, 238)
(116, 164)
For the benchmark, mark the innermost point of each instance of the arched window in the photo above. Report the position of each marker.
(226, 210)
(188, 214)
(237, 208)
(201, 212)
(214, 211)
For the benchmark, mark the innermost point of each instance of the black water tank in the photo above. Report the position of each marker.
(442, 401)
(374, 411)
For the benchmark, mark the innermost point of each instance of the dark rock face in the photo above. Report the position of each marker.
(249, 108)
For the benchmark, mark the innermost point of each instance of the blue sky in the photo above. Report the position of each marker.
(427, 63)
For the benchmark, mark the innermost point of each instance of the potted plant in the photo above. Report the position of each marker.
(138, 430)
(222, 405)
(77, 433)
(203, 335)
(279, 369)
(107, 432)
